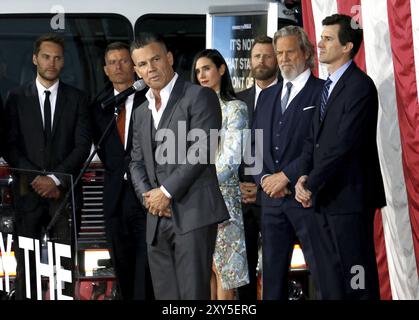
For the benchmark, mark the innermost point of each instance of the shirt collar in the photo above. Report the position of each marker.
(259, 89)
(130, 97)
(164, 93)
(300, 80)
(335, 76)
(53, 89)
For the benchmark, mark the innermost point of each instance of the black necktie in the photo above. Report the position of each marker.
(285, 99)
(324, 98)
(47, 116)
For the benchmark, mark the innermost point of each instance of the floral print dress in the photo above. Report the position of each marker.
(230, 250)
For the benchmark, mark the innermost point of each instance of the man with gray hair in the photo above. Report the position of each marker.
(284, 113)
(183, 199)
(125, 218)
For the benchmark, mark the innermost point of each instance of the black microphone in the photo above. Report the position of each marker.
(115, 100)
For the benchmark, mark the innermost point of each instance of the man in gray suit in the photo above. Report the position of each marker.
(173, 173)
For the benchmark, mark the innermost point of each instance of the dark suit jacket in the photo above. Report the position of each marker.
(196, 197)
(71, 139)
(248, 96)
(111, 152)
(296, 121)
(340, 155)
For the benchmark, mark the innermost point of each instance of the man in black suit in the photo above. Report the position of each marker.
(125, 217)
(173, 173)
(264, 69)
(48, 131)
(340, 168)
(284, 113)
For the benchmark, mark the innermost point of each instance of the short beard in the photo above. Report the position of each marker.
(291, 75)
(265, 74)
(48, 78)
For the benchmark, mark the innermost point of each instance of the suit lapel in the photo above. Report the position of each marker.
(59, 107)
(174, 98)
(251, 107)
(268, 120)
(34, 107)
(107, 116)
(340, 85)
(294, 104)
(148, 150)
(139, 98)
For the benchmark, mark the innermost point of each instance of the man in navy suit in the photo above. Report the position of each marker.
(125, 218)
(340, 170)
(284, 112)
(264, 69)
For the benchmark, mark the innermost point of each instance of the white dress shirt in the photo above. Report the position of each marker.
(164, 96)
(297, 85)
(259, 89)
(53, 100)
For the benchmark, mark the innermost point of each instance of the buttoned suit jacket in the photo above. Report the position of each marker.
(26, 148)
(340, 154)
(296, 124)
(196, 197)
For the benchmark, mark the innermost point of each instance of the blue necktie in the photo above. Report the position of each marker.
(324, 97)
(285, 99)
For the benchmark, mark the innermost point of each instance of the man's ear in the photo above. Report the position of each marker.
(169, 56)
(348, 47)
(105, 69)
(34, 61)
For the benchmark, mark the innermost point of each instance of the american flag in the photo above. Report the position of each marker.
(389, 55)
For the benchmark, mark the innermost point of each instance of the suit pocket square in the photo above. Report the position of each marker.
(308, 108)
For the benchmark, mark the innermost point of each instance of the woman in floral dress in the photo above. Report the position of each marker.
(230, 261)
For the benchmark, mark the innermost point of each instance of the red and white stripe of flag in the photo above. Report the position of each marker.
(389, 56)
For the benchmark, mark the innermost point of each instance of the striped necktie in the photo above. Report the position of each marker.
(324, 98)
(285, 99)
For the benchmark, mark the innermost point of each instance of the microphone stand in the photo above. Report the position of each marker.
(65, 203)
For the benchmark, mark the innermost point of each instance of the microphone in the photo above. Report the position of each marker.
(115, 100)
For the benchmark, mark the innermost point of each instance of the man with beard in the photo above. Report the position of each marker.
(48, 132)
(264, 69)
(284, 113)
